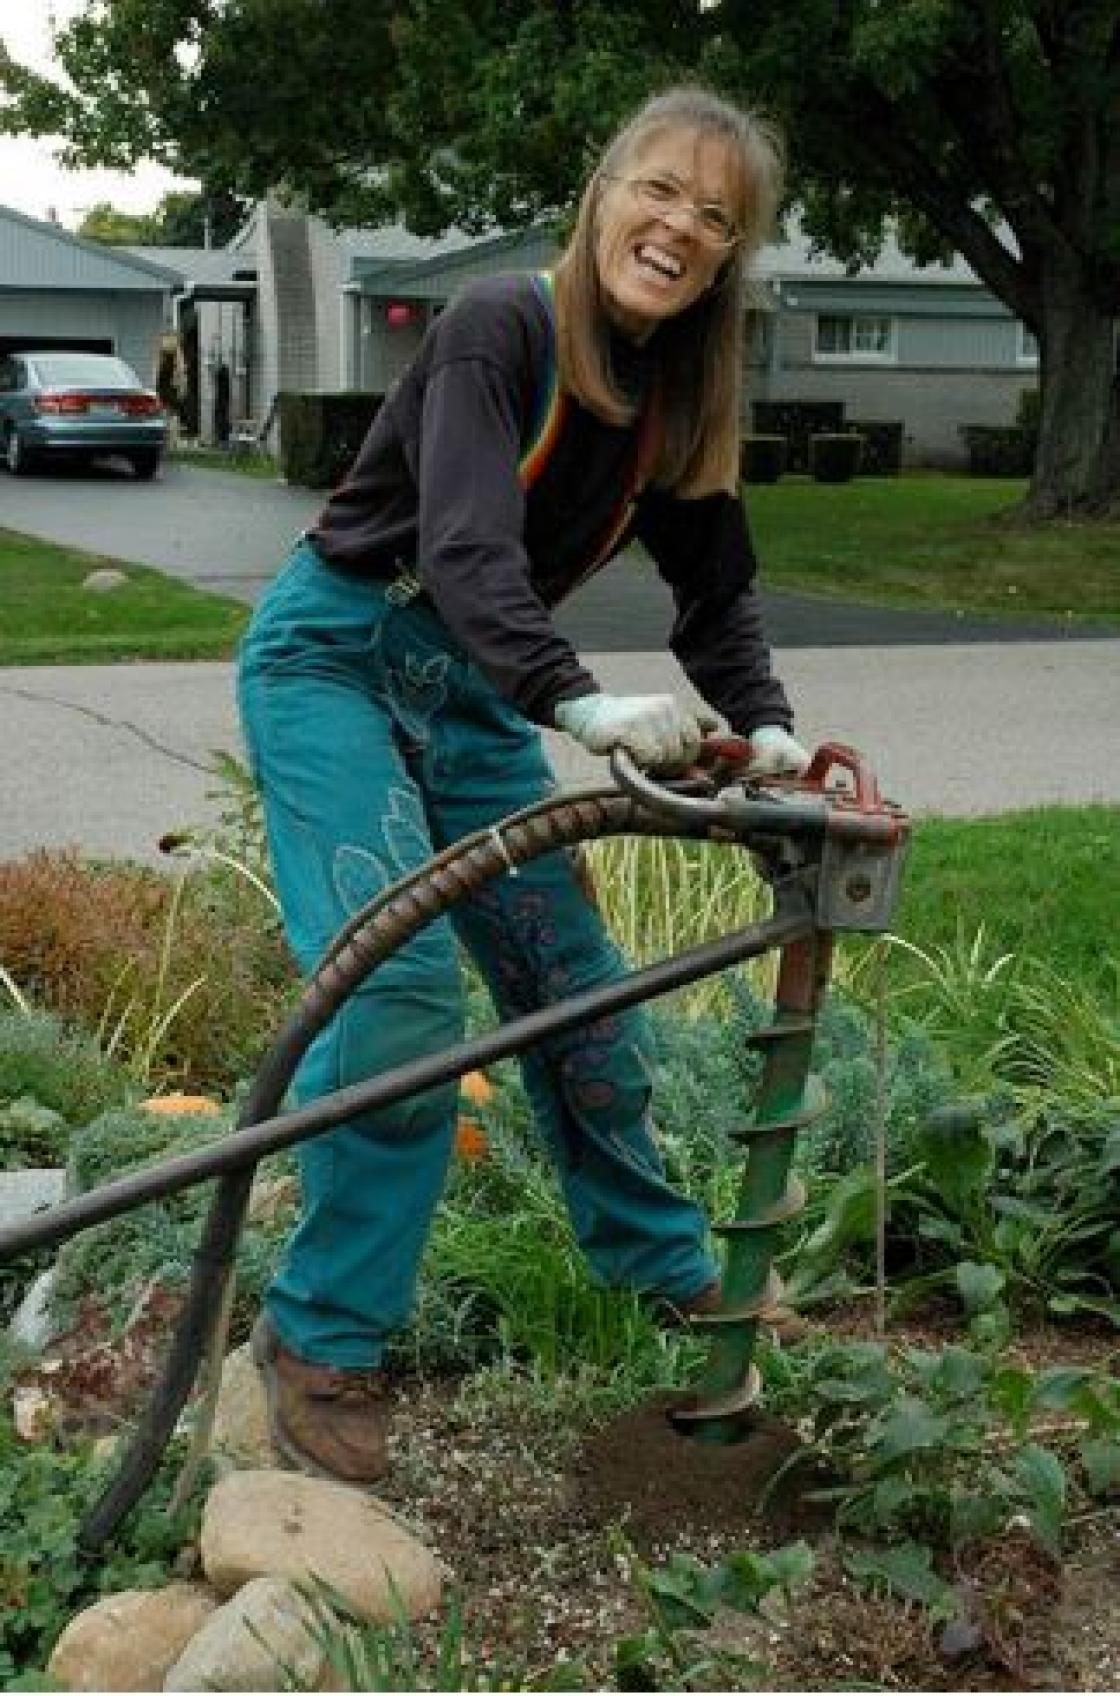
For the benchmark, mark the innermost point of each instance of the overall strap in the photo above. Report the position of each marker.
(552, 403)
(548, 421)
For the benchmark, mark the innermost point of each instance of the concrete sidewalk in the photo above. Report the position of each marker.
(111, 757)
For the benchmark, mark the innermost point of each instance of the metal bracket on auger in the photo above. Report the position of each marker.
(832, 854)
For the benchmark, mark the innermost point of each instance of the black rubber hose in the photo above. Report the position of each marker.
(392, 918)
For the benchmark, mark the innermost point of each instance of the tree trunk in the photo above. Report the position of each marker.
(1077, 466)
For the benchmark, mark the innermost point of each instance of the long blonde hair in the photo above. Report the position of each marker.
(700, 350)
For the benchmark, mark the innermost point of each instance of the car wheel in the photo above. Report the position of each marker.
(17, 456)
(145, 463)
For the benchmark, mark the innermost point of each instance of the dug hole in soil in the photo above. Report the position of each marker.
(642, 1470)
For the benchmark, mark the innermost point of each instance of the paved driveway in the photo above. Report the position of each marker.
(111, 757)
(228, 532)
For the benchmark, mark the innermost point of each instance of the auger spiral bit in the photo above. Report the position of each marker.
(789, 1098)
(836, 855)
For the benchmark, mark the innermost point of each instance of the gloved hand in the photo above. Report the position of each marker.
(658, 730)
(775, 753)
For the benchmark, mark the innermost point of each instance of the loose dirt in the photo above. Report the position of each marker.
(641, 1470)
(547, 1522)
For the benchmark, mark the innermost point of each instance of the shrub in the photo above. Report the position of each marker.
(320, 434)
(797, 420)
(115, 1261)
(762, 459)
(881, 455)
(63, 1070)
(183, 979)
(999, 450)
(834, 458)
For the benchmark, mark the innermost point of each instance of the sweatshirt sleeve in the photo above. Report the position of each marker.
(703, 550)
(471, 553)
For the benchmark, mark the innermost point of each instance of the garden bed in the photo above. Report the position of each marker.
(555, 1522)
(973, 1540)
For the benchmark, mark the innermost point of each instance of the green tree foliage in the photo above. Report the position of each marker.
(185, 218)
(180, 220)
(990, 127)
(103, 222)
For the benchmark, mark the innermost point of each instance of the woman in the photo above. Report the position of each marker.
(391, 684)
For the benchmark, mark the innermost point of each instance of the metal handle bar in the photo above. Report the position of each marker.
(797, 807)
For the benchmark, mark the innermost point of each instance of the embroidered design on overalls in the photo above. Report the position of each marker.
(358, 873)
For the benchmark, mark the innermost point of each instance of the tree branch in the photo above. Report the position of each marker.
(886, 140)
(977, 100)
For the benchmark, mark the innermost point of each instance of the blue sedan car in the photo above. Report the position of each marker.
(66, 405)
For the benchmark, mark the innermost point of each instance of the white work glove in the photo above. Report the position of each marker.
(775, 753)
(658, 730)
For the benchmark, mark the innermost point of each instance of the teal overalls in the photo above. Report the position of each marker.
(376, 741)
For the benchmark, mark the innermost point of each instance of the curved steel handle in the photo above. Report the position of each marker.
(666, 798)
(831, 755)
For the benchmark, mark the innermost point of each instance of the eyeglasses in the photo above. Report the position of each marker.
(667, 199)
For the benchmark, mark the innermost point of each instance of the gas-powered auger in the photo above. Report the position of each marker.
(832, 854)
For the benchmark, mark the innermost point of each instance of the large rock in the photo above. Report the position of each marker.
(32, 1188)
(240, 1434)
(104, 580)
(128, 1641)
(32, 1324)
(282, 1523)
(247, 1643)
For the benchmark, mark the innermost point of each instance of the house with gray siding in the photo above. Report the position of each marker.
(294, 304)
(57, 290)
(927, 346)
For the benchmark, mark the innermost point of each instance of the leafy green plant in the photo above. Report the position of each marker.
(962, 994)
(519, 1276)
(1062, 1038)
(44, 1578)
(682, 1599)
(366, 1656)
(943, 1448)
(61, 1069)
(1030, 1190)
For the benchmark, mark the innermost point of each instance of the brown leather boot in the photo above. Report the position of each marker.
(326, 1420)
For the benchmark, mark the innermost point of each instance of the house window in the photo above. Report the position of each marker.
(851, 335)
(1026, 350)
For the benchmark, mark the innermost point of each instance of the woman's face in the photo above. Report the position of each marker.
(657, 221)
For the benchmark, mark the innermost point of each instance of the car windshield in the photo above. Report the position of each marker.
(83, 370)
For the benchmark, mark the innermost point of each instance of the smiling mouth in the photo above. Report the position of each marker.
(663, 264)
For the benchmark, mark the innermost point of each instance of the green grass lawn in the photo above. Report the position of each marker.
(47, 618)
(1044, 884)
(933, 541)
(261, 465)
(920, 540)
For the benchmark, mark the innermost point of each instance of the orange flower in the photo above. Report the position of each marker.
(476, 1088)
(184, 1104)
(471, 1142)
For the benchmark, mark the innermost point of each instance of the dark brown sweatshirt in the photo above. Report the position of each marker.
(457, 482)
